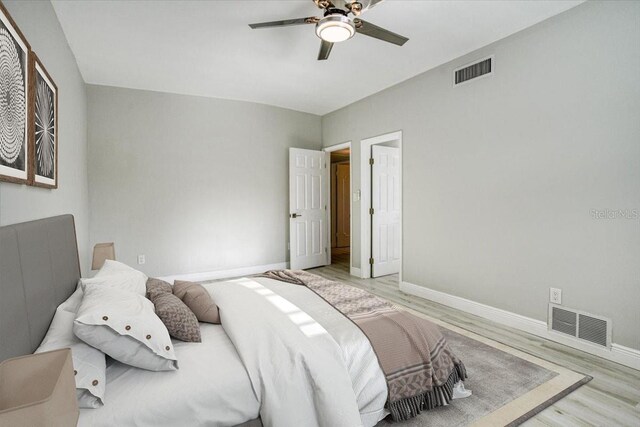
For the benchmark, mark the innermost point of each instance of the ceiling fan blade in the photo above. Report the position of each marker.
(368, 29)
(285, 22)
(325, 50)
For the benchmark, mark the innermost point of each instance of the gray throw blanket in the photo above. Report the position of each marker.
(419, 367)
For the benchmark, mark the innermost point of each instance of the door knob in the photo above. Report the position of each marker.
(295, 215)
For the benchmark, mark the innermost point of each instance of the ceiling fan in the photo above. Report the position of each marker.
(337, 26)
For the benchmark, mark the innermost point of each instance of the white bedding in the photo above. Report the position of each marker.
(309, 365)
(284, 355)
(211, 388)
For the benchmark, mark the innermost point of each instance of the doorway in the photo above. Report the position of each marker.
(340, 207)
(339, 230)
(381, 206)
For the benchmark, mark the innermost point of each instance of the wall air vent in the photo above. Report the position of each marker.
(564, 321)
(592, 329)
(481, 68)
(580, 325)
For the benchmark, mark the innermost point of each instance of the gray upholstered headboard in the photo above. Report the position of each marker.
(39, 269)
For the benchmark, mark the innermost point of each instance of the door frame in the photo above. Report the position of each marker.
(365, 200)
(328, 151)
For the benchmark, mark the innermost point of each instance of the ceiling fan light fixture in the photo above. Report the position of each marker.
(335, 28)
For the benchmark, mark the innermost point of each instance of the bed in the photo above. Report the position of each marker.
(295, 360)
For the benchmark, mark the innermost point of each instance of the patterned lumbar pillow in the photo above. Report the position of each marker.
(157, 285)
(123, 325)
(176, 316)
(198, 300)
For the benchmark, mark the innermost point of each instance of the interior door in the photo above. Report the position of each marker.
(307, 208)
(386, 210)
(343, 207)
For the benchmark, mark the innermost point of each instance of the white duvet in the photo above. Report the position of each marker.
(308, 364)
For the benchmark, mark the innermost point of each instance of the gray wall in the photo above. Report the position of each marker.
(500, 175)
(18, 203)
(196, 184)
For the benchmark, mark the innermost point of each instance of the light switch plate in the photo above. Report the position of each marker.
(356, 196)
(555, 295)
(141, 259)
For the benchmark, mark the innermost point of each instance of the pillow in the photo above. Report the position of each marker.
(179, 320)
(198, 300)
(89, 364)
(114, 267)
(73, 302)
(123, 325)
(118, 275)
(157, 285)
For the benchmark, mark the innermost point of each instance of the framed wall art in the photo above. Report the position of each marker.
(14, 101)
(44, 126)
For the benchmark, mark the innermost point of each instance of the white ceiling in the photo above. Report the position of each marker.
(207, 48)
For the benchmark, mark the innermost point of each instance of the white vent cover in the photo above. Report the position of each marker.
(482, 68)
(581, 325)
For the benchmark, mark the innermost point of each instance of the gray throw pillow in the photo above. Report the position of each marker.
(196, 297)
(157, 285)
(176, 316)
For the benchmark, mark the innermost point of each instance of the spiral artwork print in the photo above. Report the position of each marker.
(13, 104)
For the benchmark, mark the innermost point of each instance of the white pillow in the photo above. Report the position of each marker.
(114, 267)
(88, 363)
(73, 302)
(118, 275)
(124, 326)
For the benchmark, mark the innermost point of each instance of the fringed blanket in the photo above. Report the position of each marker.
(419, 367)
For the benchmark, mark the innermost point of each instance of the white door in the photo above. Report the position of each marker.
(385, 219)
(307, 208)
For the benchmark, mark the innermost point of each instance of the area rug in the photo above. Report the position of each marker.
(509, 386)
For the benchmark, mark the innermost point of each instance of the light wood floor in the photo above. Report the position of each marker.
(612, 398)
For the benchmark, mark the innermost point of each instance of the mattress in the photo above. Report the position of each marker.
(211, 388)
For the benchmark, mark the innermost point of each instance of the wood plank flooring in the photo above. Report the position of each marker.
(612, 398)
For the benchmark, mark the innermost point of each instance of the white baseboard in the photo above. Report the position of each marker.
(620, 354)
(355, 271)
(225, 274)
(626, 356)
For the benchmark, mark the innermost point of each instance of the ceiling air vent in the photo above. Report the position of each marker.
(581, 325)
(484, 67)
